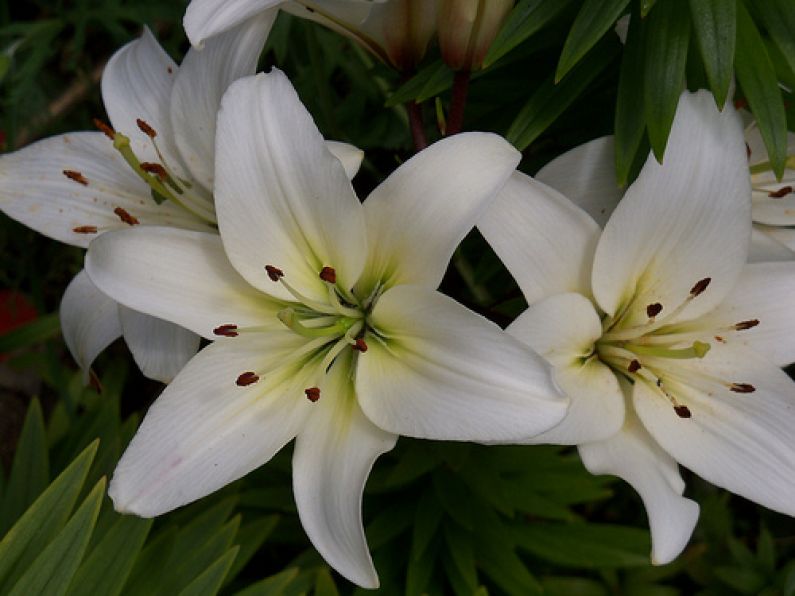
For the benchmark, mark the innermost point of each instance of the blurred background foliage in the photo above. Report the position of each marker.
(441, 518)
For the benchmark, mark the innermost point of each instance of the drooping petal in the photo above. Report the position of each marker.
(201, 81)
(35, 191)
(680, 222)
(775, 211)
(564, 329)
(587, 176)
(205, 18)
(444, 372)
(766, 246)
(334, 453)
(204, 431)
(282, 198)
(179, 276)
(422, 211)
(160, 349)
(740, 440)
(89, 321)
(545, 241)
(632, 455)
(350, 156)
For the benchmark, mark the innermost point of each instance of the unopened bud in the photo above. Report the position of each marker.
(467, 29)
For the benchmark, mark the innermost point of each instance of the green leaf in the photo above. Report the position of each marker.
(459, 544)
(430, 81)
(152, 564)
(646, 6)
(526, 18)
(573, 586)
(43, 520)
(595, 18)
(778, 17)
(275, 585)
(5, 64)
(756, 75)
(251, 537)
(715, 28)
(389, 523)
(209, 581)
(109, 564)
(35, 332)
(54, 568)
(324, 584)
(549, 100)
(30, 472)
(766, 551)
(667, 34)
(426, 523)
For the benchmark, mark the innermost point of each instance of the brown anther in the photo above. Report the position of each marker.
(145, 128)
(125, 216)
(154, 168)
(360, 345)
(652, 310)
(328, 274)
(312, 394)
(85, 230)
(247, 378)
(748, 151)
(274, 272)
(76, 176)
(106, 130)
(634, 366)
(700, 287)
(682, 411)
(743, 325)
(226, 331)
(720, 339)
(781, 192)
(742, 387)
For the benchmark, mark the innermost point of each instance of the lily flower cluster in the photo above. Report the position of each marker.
(212, 208)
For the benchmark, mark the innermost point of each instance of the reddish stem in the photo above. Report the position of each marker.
(417, 126)
(455, 119)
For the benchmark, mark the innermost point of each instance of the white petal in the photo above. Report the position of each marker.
(160, 349)
(204, 431)
(35, 191)
(282, 198)
(564, 329)
(444, 372)
(633, 455)
(422, 211)
(179, 276)
(545, 241)
(587, 176)
(772, 211)
(206, 18)
(738, 441)
(682, 221)
(203, 77)
(89, 321)
(782, 235)
(350, 156)
(334, 454)
(766, 246)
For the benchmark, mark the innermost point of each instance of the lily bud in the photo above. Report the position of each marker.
(467, 29)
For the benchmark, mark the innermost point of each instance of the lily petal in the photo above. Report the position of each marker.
(334, 454)
(739, 441)
(204, 432)
(766, 246)
(282, 198)
(160, 349)
(422, 211)
(89, 321)
(350, 156)
(444, 372)
(680, 222)
(179, 276)
(564, 329)
(772, 211)
(545, 240)
(587, 176)
(206, 18)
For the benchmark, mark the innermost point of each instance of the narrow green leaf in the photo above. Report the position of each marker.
(426, 523)
(389, 523)
(152, 564)
(526, 18)
(30, 471)
(596, 17)
(778, 17)
(715, 28)
(39, 329)
(766, 551)
(205, 525)
(250, 538)
(210, 580)
(419, 571)
(54, 568)
(630, 123)
(275, 585)
(646, 6)
(43, 520)
(324, 584)
(570, 586)
(666, 34)
(428, 77)
(757, 77)
(459, 545)
(109, 564)
(5, 64)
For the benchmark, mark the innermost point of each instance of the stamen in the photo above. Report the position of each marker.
(76, 176)
(742, 388)
(274, 273)
(699, 349)
(743, 325)
(338, 306)
(126, 217)
(145, 128)
(312, 394)
(106, 130)
(634, 366)
(156, 169)
(229, 330)
(85, 230)
(247, 378)
(652, 310)
(361, 346)
(700, 286)
(780, 193)
(289, 317)
(682, 411)
(328, 274)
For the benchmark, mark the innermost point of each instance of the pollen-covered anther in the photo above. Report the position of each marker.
(125, 216)
(274, 273)
(154, 168)
(85, 230)
(780, 193)
(146, 128)
(743, 325)
(360, 345)
(700, 286)
(634, 366)
(328, 274)
(682, 411)
(246, 379)
(742, 387)
(312, 394)
(76, 176)
(105, 129)
(226, 330)
(652, 310)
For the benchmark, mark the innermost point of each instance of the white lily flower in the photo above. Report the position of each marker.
(75, 186)
(329, 328)
(667, 342)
